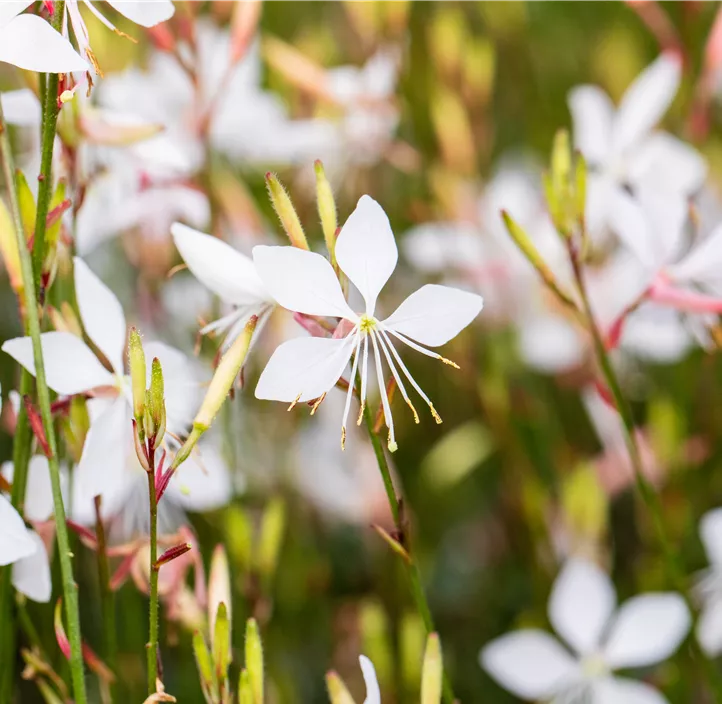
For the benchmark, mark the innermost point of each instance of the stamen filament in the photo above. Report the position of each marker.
(294, 402)
(384, 397)
(351, 384)
(423, 350)
(364, 374)
(397, 377)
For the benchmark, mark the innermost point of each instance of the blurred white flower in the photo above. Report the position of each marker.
(621, 146)
(709, 587)
(373, 691)
(307, 368)
(644, 631)
(230, 274)
(24, 550)
(108, 465)
(29, 42)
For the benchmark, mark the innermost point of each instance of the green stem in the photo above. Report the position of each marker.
(412, 569)
(33, 326)
(673, 563)
(45, 178)
(107, 598)
(153, 611)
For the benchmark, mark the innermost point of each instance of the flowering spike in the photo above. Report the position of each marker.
(136, 362)
(432, 672)
(254, 660)
(326, 210)
(286, 212)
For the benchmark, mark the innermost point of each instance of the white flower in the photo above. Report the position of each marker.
(307, 368)
(709, 626)
(29, 42)
(229, 274)
(645, 630)
(373, 691)
(24, 550)
(108, 465)
(621, 147)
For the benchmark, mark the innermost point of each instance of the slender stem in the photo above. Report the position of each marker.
(45, 180)
(107, 597)
(673, 563)
(412, 569)
(33, 326)
(153, 611)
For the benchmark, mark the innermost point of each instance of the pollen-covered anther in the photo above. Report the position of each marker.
(294, 402)
(449, 362)
(437, 417)
(361, 413)
(317, 403)
(413, 410)
(91, 57)
(391, 444)
(343, 437)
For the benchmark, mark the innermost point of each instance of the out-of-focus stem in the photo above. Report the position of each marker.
(33, 326)
(107, 597)
(153, 576)
(412, 569)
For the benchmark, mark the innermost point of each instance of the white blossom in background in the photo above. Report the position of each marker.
(709, 586)
(72, 367)
(29, 42)
(601, 639)
(373, 691)
(229, 274)
(305, 369)
(622, 147)
(24, 550)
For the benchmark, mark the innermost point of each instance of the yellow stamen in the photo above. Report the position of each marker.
(413, 410)
(318, 402)
(392, 444)
(293, 404)
(94, 62)
(361, 413)
(125, 36)
(437, 417)
(343, 438)
(449, 362)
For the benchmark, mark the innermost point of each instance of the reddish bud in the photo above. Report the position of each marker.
(162, 38)
(86, 535)
(36, 424)
(60, 636)
(172, 554)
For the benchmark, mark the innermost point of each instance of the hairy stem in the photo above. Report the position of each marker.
(33, 327)
(412, 569)
(153, 610)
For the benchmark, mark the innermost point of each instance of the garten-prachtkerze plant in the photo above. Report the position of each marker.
(378, 214)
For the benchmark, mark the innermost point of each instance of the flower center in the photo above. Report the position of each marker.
(594, 666)
(367, 323)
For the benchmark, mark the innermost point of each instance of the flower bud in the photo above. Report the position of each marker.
(156, 402)
(136, 362)
(221, 644)
(326, 210)
(205, 666)
(254, 660)
(337, 692)
(433, 671)
(245, 693)
(271, 534)
(9, 250)
(219, 587)
(286, 212)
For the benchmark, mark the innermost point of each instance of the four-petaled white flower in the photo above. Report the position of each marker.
(646, 630)
(24, 550)
(709, 587)
(621, 147)
(304, 369)
(108, 465)
(230, 274)
(29, 42)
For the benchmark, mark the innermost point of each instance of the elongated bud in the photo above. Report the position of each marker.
(9, 251)
(172, 553)
(581, 188)
(432, 672)
(326, 210)
(254, 660)
(243, 27)
(221, 644)
(60, 635)
(286, 212)
(26, 201)
(156, 400)
(528, 249)
(136, 362)
(272, 527)
(337, 692)
(219, 586)
(205, 667)
(561, 187)
(245, 693)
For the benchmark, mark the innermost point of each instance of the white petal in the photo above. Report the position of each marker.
(301, 281)
(666, 163)
(709, 627)
(202, 482)
(304, 369)
(703, 264)
(550, 344)
(667, 214)
(592, 114)
(581, 604)
(101, 313)
(104, 468)
(31, 575)
(630, 224)
(225, 271)
(29, 42)
(435, 314)
(647, 630)
(373, 692)
(21, 107)
(70, 365)
(646, 101)
(617, 690)
(146, 13)
(12, 8)
(530, 664)
(366, 250)
(15, 540)
(710, 531)
(39, 504)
